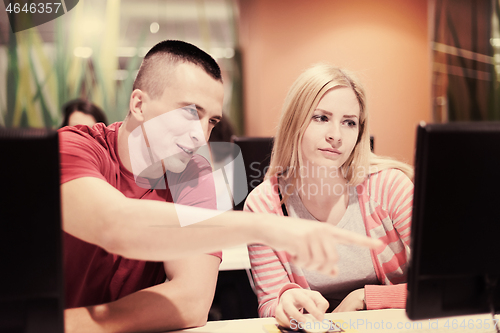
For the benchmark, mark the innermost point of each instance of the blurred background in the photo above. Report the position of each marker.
(420, 60)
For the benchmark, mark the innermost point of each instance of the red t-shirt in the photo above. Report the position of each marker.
(92, 275)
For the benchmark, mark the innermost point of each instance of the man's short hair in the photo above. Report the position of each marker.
(157, 65)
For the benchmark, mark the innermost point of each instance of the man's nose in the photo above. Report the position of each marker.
(197, 134)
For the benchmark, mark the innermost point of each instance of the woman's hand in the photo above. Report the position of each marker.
(355, 301)
(292, 300)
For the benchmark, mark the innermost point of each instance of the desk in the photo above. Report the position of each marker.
(375, 321)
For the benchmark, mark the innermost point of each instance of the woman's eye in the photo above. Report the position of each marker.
(320, 118)
(350, 123)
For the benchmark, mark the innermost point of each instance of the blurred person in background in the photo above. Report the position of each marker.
(82, 112)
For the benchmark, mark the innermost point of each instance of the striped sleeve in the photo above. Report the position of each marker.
(390, 204)
(389, 212)
(270, 276)
(385, 297)
(399, 202)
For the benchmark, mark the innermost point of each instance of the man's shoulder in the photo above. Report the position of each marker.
(98, 138)
(88, 152)
(97, 132)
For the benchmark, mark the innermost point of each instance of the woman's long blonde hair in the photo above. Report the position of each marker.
(300, 103)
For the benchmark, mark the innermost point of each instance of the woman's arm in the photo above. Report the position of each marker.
(270, 278)
(385, 296)
(272, 272)
(397, 200)
(268, 269)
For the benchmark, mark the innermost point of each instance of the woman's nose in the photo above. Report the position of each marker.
(333, 134)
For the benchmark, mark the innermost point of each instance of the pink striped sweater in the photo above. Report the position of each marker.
(385, 200)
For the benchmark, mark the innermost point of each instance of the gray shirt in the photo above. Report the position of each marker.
(355, 264)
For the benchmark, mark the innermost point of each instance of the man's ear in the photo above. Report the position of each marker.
(137, 99)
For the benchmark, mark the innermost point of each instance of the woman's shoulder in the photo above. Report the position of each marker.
(264, 198)
(388, 175)
(385, 181)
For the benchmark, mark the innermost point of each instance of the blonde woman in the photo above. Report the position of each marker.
(322, 170)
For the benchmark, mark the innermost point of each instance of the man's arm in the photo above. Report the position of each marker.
(181, 302)
(97, 213)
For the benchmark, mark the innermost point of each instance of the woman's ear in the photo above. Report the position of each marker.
(136, 104)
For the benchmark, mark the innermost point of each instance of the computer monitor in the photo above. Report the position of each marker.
(455, 235)
(31, 293)
(256, 154)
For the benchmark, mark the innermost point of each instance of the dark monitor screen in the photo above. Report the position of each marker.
(455, 234)
(256, 153)
(31, 296)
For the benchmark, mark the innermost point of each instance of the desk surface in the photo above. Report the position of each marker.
(375, 321)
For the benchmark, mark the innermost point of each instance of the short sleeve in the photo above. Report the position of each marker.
(80, 156)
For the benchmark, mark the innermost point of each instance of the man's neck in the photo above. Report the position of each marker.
(123, 149)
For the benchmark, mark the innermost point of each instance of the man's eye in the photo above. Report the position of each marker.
(192, 111)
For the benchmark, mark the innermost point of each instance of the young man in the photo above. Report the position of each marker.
(123, 236)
